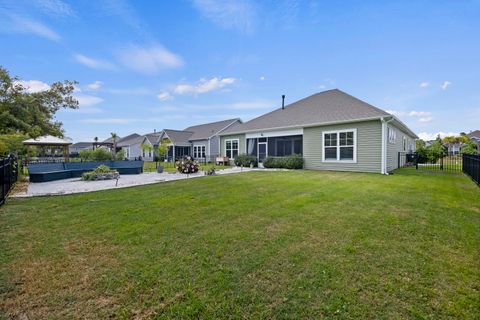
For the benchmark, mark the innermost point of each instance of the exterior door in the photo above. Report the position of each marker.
(262, 151)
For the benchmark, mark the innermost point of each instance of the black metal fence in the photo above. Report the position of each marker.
(471, 166)
(466, 163)
(8, 176)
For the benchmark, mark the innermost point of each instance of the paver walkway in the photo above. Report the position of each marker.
(75, 185)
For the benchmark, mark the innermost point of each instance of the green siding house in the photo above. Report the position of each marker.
(332, 130)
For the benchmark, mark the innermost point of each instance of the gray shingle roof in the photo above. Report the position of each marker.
(178, 136)
(473, 134)
(129, 140)
(82, 145)
(324, 107)
(153, 137)
(207, 130)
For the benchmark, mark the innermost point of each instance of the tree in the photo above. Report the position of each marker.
(435, 151)
(33, 113)
(470, 147)
(114, 140)
(419, 144)
(163, 148)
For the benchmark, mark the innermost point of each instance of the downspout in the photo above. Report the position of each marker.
(384, 145)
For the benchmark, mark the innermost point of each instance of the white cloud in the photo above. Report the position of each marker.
(262, 78)
(25, 25)
(410, 113)
(432, 136)
(86, 100)
(149, 60)
(445, 85)
(203, 86)
(419, 113)
(94, 63)
(425, 120)
(229, 14)
(32, 86)
(424, 84)
(95, 85)
(163, 96)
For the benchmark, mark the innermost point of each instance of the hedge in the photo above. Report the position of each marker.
(294, 161)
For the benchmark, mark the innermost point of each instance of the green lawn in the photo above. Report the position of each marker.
(254, 245)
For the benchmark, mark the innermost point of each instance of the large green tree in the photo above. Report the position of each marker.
(33, 113)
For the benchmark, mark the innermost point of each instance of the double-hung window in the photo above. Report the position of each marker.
(199, 151)
(392, 135)
(231, 148)
(340, 145)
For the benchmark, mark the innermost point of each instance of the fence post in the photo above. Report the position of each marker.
(441, 163)
(398, 163)
(416, 160)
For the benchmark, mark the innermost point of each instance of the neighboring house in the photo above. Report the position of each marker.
(75, 148)
(331, 130)
(475, 136)
(179, 144)
(201, 141)
(131, 145)
(454, 149)
(205, 140)
(149, 145)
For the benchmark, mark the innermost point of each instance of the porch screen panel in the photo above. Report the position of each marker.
(285, 146)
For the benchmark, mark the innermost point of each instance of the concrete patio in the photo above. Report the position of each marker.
(76, 185)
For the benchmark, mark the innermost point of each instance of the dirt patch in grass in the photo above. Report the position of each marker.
(65, 286)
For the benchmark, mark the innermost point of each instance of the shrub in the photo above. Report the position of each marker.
(102, 169)
(293, 161)
(101, 172)
(99, 154)
(187, 165)
(245, 160)
(120, 155)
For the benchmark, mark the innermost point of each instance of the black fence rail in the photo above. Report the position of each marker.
(471, 166)
(450, 163)
(8, 176)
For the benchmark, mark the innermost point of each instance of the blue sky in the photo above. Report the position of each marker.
(145, 65)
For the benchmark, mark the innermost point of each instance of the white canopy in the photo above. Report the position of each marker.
(48, 140)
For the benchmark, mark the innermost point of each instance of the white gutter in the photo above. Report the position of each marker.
(383, 169)
(317, 124)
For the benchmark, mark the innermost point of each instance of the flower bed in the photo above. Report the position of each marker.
(100, 173)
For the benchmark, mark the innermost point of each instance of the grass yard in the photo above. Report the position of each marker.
(256, 245)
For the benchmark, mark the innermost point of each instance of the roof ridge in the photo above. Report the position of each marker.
(366, 103)
(208, 123)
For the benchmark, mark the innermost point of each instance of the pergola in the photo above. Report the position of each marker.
(50, 143)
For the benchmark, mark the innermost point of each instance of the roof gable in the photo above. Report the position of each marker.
(208, 130)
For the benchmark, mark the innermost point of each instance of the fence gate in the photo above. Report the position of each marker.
(8, 176)
(466, 163)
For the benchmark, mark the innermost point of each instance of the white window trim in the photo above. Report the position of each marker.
(392, 135)
(225, 145)
(338, 146)
(199, 152)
